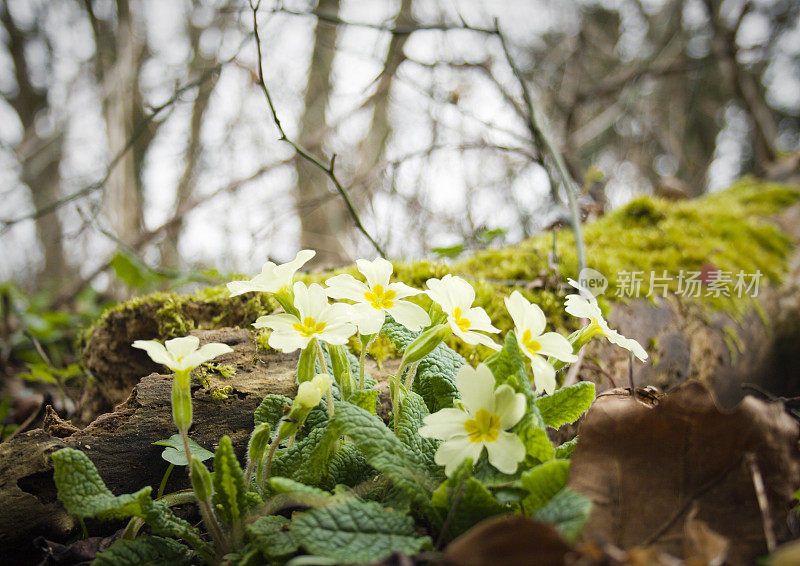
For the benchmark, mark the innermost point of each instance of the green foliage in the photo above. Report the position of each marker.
(564, 451)
(154, 551)
(436, 374)
(271, 410)
(543, 482)
(401, 465)
(356, 532)
(464, 501)
(229, 489)
(84, 495)
(175, 454)
(568, 511)
(412, 411)
(567, 404)
(367, 399)
(272, 536)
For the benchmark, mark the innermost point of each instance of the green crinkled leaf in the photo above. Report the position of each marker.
(175, 454)
(567, 404)
(465, 501)
(286, 485)
(308, 460)
(543, 482)
(149, 550)
(534, 436)
(271, 410)
(367, 399)
(436, 374)
(229, 490)
(357, 532)
(385, 452)
(412, 411)
(564, 451)
(272, 535)
(568, 511)
(509, 364)
(84, 494)
(349, 466)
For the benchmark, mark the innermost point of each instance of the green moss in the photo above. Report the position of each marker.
(730, 231)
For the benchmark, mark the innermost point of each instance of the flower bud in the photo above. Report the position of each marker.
(181, 405)
(305, 365)
(341, 370)
(201, 480)
(309, 394)
(425, 343)
(259, 441)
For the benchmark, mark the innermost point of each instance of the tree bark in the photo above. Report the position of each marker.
(323, 221)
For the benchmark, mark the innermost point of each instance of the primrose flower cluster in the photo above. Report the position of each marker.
(486, 414)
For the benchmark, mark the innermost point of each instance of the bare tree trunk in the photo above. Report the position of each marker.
(39, 157)
(323, 221)
(373, 146)
(169, 248)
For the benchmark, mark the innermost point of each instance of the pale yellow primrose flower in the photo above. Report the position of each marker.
(584, 305)
(486, 416)
(272, 277)
(529, 323)
(181, 354)
(376, 297)
(318, 319)
(456, 296)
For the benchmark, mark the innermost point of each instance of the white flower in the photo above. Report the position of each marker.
(584, 305)
(376, 297)
(272, 277)
(529, 323)
(181, 354)
(318, 319)
(455, 296)
(487, 415)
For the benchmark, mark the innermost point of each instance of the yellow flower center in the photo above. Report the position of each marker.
(460, 321)
(380, 298)
(485, 427)
(308, 327)
(532, 345)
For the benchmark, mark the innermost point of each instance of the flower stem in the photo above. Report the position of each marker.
(364, 348)
(396, 395)
(324, 369)
(164, 481)
(268, 464)
(411, 373)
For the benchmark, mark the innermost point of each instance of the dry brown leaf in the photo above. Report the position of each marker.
(645, 467)
(512, 540)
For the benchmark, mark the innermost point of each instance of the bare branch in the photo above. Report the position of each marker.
(327, 169)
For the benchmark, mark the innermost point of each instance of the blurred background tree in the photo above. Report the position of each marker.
(137, 130)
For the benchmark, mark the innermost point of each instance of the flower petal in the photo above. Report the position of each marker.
(338, 334)
(553, 344)
(403, 290)
(444, 424)
(367, 318)
(156, 350)
(455, 450)
(437, 291)
(377, 272)
(346, 286)
(180, 347)
(508, 405)
(283, 274)
(473, 338)
(461, 292)
(479, 320)
(281, 322)
(207, 352)
(526, 315)
(287, 342)
(476, 387)
(409, 315)
(579, 307)
(628, 343)
(506, 452)
(544, 375)
(317, 302)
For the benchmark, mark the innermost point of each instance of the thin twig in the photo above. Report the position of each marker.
(574, 369)
(763, 501)
(327, 169)
(542, 138)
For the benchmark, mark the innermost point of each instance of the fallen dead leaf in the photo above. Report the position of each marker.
(646, 467)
